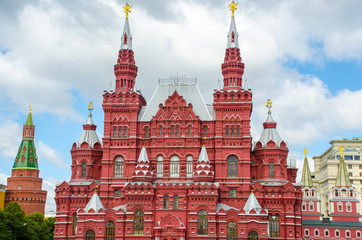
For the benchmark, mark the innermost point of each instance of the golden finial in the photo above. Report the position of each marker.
(232, 6)
(252, 188)
(305, 152)
(95, 191)
(341, 149)
(127, 9)
(29, 108)
(90, 107)
(269, 104)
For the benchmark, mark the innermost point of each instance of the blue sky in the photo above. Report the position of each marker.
(57, 56)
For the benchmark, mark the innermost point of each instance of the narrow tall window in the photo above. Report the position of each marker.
(227, 131)
(177, 130)
(166, 202)
(120, 132)
(118, 167)
(238, 131)
(271, 170)
(175, 202)
(110, 231)
(120, 99)
(232, 98)
(30, 131)
(189, 166)
(205, 131)
(138, 222)
(146, 132)
(175, 167)
(115, 132)
(189, 130)
(125, 132)
(232, 131)
(160, 131)
(84, 170)
(90, 235)
(232, 231)
(159, 166)
(74, 228)
(274, 226)
(202, 222)
(232, 166)
(172, 131)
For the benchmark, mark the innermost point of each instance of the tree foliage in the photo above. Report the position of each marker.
(15, 225)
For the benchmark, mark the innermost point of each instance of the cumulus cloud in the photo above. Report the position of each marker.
(45, 152)
(49, 185)
(10, 137)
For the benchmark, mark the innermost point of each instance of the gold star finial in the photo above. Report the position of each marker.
(269, 104)
(232, 6)
(252, 188)
(95, 191)
(305, 152)
(341, 149)
(90, 107)
(127, 9)
(29, 108)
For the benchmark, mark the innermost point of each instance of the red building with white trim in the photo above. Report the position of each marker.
(177, 168)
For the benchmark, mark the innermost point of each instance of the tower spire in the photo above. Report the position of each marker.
(306, 175)
(233, 67)
(125, 69)
(342, 174)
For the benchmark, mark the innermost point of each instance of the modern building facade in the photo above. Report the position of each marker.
(342, 219)
(25, 185)
(177, 168)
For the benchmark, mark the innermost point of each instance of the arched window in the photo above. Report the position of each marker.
(110, 231)
(159, 166)
(177, 130)
(232, 131)
(326, 233)
(232, 98)
(189, 166)
(84, 170)
(74, 228)
(160, 131)
(138, 222)
(232, 231)
(175, 202)
(274, 226)
(189, 130)
(232, 166)
(336, 233)
(166, 202)
(349, 207)
(238, 131)
(205, 131)
(114, 132)
(172, 131)
(316, 232)
(90, 235)
(311, 206)
(125, 132)
(340, 207)
(118, 167)
(120, 132)
(252, 235)
(271, 170)
(146, 132)
(202, 223)
(227, 131)
(175, 167)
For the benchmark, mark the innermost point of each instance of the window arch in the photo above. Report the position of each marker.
(189, 166)
(90, 235)
(205, 131)
(177, 130)
(274, 226)
(190, 128)
(159, 166)
(349, 207)
(166, 201)
(326, 233)
(115, 132)
(146, 132)
(232, 131)
(160, 131)
(336, 233)
(238, 131)
(232, 231)
(118, 167)
(175, 202)
(311, 206)
(120, 132)
(271, 170)
(202, 222)
(348, 234)
(175, 167)
(340, 207)
(138, 222)
(227, 131)
(110, 231)
(74, 226)
(253, 235)
(125, 131)
(232, 166)
(316, 232)
(172, 130)
(84, 170)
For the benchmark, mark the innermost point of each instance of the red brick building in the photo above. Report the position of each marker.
(177, 168)
(344, 220)
(24, 185)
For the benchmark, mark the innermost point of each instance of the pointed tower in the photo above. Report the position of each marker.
(270, 153)
(143, 172)
(87, 152)
(24, 185)
(125, 69)
(233, 67)
(311, 205)
(343, 199)
(203, 171)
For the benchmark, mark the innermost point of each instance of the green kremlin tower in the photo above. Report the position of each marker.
(24, 185)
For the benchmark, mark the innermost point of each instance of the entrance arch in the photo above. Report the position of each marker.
(253, 235)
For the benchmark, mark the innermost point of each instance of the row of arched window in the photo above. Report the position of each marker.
(175, 167)
(120, 132)
(232, 131)
(327, 234)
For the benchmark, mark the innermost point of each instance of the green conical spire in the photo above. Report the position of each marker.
(306, 176)
(26, 156)
(342, 174)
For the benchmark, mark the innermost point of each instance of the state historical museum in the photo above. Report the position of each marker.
(176, 168)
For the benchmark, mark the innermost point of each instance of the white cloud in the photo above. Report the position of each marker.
(45, 152)
(10, 137)
(49, 185)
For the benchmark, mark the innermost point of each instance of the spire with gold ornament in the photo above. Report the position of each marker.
(203, 171)
(306, 175)
(26, 157)
(233, 67)
(342, 173)
(143, 172)
(125, 70)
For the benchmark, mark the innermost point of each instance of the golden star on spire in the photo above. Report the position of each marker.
(127, 9)
(232, 6)
(305, 152)
(341, 149)
(29, 108)
(269, 104)
(90, 107)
